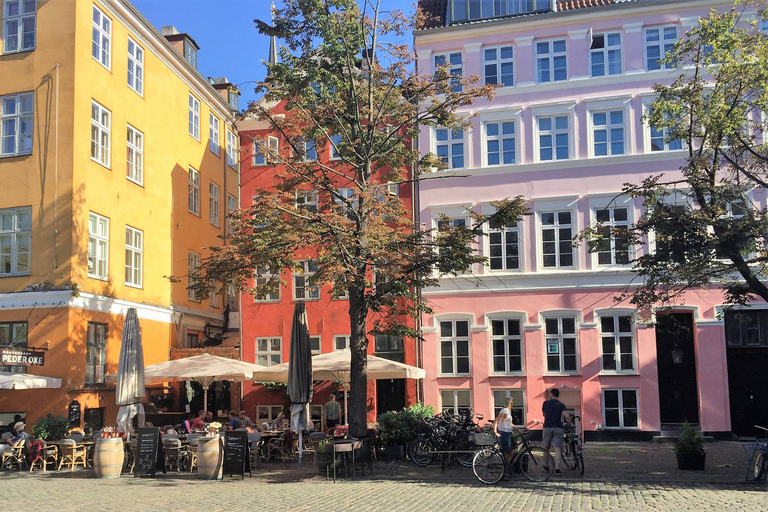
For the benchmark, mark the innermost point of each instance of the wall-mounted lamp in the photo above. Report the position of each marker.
(677, 356)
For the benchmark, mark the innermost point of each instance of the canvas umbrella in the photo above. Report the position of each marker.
(9, 380)
(300, 372)
(130, 374)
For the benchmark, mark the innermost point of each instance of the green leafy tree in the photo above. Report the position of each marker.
(346, 83)
(708, 231)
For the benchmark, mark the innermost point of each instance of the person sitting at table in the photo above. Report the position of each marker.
(19, 437)
(209, 416)
(245, 420)
(278, 423)
(199, 422)
(234, 421)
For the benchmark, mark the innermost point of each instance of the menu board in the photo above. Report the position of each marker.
(149, 452)
(237, 460)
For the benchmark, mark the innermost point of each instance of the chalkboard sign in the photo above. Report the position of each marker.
(237, 460)
(149, 452)
(74, 414)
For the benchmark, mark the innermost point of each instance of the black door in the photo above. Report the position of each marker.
(676, 362)
(390, 395)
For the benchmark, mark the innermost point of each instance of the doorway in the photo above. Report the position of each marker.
(676, 363)
(390, 395)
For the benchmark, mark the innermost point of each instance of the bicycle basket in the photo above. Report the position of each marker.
(483, 439)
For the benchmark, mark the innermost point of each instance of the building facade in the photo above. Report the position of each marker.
(118, 165)
(566, 131)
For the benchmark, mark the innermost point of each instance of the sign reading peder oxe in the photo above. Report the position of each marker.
(12, 356)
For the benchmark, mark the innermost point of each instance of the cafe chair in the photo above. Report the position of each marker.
(77, 436)
(277, 447)
(36, 449)
(173, 452)
(13, 456)
(194, 442)
(254, 442)
(133, 447)
(313, 441)
(72, 454)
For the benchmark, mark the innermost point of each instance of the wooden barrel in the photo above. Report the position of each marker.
(108, 457)
(209, 458)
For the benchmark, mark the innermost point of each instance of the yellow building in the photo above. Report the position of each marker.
(117, 168)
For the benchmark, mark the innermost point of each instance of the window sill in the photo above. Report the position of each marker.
(561, 374)
(15, 155)
(610, 373)
(98, 278)
(14, 274)
(193, 213)
(137, 286)
(460, 375)
(196, 138)
(16, 52)
(302, 299)
(135, 182)
(108, 68)
(106, 166)
(620, 428)
(271, 301)
(502, 375)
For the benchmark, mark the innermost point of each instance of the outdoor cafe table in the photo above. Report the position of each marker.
(345, 446)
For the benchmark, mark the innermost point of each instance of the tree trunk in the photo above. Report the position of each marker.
(358, 378)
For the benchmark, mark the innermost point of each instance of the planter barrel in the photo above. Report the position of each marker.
(396, 452)
(209, 458)
(108, 457)
(691, 461)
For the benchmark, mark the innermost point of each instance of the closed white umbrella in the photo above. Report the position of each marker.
(130, 374)
(9, 380)
(300, 373)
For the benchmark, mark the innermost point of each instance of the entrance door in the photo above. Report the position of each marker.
(676, 362)
(390, 395)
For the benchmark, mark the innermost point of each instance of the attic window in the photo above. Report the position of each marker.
(465, 10)
(190, 53)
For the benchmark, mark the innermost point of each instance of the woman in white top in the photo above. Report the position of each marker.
(503, 427)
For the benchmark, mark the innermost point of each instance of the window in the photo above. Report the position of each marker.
(190, 53)
(302, 289)
(15, 232)
(500, 143)
(346, 202)
(659, 41)
(259, 158)
(134, 255)
(335, 142)
(193, 265)
(551, 61)
(612, 248)
(192, 340)
(269, 412)
(231, 149)
(308, 199)
(233, 99)
(608, 132)
(556, 238)
(507, 343)
(341, 343)
(96, 353)
(13, 335)
(618, 343)
(518, 410)
(194, 117)
(262, 277)
(746, 328)
(456, 401)
(19, 19)
(605, 54)
(499, 66)
(98, 246)
(560, 337)
(16, 111)
(100, 133)
(454, 347)
(213, 134)
(462, 10)
(308, 151)
(135, 67)
(553, 138)
(450, 147)
(102, 35)
(315, 346)
(453, 61)
(135, 169)
(231, 208)
(390, 347)
(194, 192)
(660, 140)
(620, 408)
(214, 203)
(269, 351)
(503, 246)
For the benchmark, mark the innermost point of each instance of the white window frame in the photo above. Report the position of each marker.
(22, 116)
(231, 149)
(620, 392)
(611, 206)
(134, 257)
(306, 147)
(334, 141)
(497, 62)
(454, 339)
(96, 353)
(101, 129)
(98, 246)
(231, 208)
(214, 204)
(263, 275)
(136, 61)
(311, 292)
(505, 318)
(664, 45)
(193, 264)
(341, 341)
(505, 232)
(500, 138)
(608, 128)
(615, 315)
(454, 394)
(455, 69)
(14, 236)
(549, 57)
(507, 393)
(269, 356)
(19, 18)
(102, 30)
(213, 133)
(554, 132)
(606, 51)
(309, 199)
(135, 156)
(540, 227)
(559, 339)
(319, 340)
(193, 193)
(648, 132)
(194, 117)
(259, 158)
(454, 139)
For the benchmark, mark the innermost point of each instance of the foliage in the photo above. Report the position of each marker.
(421, 411)
(689, 441)
(399, 427)
(50, 428)
(706, 228)
(275, 386)
(347, 84)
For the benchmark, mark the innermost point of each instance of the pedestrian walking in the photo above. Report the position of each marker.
(554, 414)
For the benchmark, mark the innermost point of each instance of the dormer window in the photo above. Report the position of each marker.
(233, 98)
(190, 53)
(465, 10)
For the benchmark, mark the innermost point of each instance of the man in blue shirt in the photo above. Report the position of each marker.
(234, 421)
(554, 415)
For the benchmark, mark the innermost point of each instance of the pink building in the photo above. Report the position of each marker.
(566, 131)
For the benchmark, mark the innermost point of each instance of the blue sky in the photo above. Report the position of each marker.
(229, 43)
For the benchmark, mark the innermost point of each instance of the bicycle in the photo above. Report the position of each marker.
(757, 468)
(572, 452)
(447, 435)
(537, 465)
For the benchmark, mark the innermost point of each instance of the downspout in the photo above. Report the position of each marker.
(56, 176)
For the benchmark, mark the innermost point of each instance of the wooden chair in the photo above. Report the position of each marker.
(42, 455)
(72, 454)
(254, 440)
(277, 446)
(193, 440)
(14, 456)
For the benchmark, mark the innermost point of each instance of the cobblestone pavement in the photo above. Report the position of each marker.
(637, 476)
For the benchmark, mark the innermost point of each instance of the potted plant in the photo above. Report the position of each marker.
(395, 430)
(324, 456)
(50, 428)
(689, 449)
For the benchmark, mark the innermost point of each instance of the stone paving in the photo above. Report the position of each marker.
(619, 476)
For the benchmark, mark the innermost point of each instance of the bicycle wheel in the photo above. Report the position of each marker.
(421, 452)
(568, 453)
(488, 466)
(537, 464)
(759, 465)
(465, 459)
(580, 463)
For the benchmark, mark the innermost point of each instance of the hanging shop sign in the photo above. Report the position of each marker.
(14, 356)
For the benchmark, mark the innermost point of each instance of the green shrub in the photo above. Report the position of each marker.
(422, 411)
(689, 441)
(399, 427)
(50, 428)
